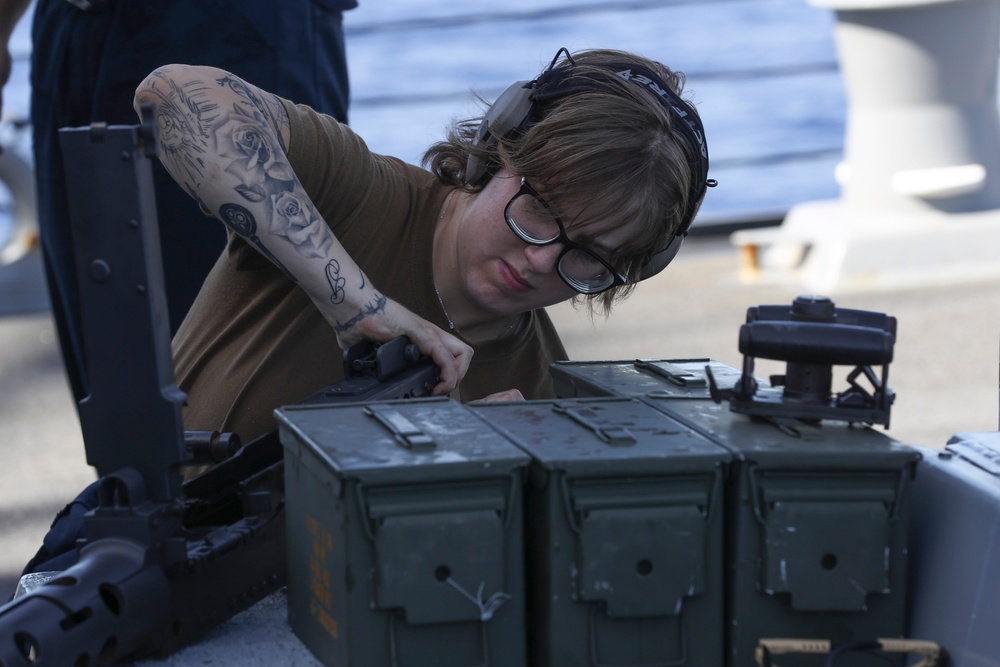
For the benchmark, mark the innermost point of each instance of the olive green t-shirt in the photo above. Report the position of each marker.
(253, 341)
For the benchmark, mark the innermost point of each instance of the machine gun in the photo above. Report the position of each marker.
(161, 561)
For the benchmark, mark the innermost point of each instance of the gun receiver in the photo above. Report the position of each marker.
(160, 562)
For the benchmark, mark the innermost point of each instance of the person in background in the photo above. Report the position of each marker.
(576, 184)
(88, 56)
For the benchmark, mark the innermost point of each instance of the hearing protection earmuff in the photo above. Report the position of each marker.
(515, 109)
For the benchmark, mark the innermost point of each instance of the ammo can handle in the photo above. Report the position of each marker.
(613, 434)
(405, 432)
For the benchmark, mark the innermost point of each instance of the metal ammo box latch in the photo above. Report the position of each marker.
(403, 429)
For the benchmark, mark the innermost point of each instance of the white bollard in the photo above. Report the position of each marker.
(920, 180)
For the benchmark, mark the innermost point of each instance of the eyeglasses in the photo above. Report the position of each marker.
(531, 218)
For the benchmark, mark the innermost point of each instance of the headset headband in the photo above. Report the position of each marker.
(517, 107)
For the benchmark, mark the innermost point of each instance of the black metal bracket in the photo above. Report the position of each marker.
(813, 336)
(130, 414)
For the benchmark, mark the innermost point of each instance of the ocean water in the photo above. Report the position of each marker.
(763, 74)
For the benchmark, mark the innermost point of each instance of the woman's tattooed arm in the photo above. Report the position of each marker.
(225, 142)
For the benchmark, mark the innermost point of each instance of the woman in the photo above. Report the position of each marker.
(577, 184)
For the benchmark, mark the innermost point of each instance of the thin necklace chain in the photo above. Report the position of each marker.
(451, 324)
(447, 316)
(444, 209)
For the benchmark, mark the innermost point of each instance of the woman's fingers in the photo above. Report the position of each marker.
(450, 354)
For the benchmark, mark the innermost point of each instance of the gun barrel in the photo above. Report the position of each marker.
(95, 612)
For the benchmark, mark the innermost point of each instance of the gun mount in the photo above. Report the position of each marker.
(812, 336)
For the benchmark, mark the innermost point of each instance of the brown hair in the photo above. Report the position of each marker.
(610, 154)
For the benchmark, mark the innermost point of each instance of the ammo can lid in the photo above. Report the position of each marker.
(642, 377)
(387, 441)
(791, 443)
(602, 436)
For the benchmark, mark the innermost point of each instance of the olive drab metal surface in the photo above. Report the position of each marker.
(817, 510)
(818, 520)
(624, 533)
(679, 378)
(404, 535)
(663, 512)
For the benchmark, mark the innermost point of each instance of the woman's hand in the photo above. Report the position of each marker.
(391, 319)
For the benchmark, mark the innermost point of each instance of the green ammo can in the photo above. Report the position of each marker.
(405, 535)
(624, 533)
(817, 526)
(817, 505)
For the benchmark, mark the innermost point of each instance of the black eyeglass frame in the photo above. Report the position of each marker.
(568, 244)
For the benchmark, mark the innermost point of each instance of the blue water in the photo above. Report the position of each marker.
(763, 74)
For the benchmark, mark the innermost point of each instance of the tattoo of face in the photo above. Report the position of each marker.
(373, 307)
(336, 282)
(241, 221)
